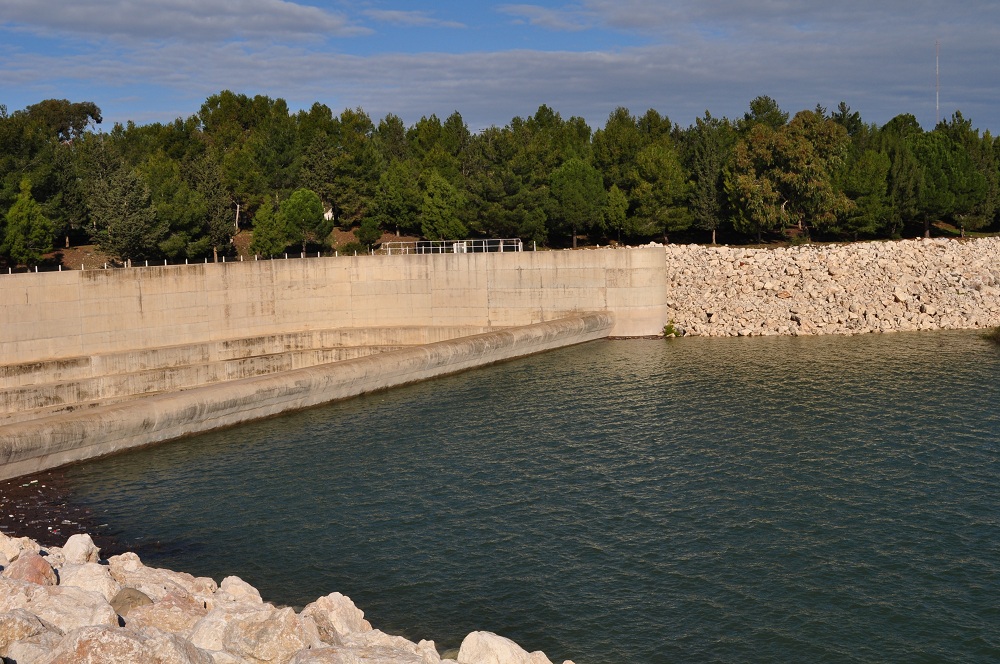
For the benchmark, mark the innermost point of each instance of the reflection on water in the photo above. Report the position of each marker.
(766, 499)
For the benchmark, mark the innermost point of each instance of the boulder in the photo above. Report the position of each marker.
(80, 549)
(34, 648)
(489, 648)
(31, 568)
(11, 547)
(239, 590)
(360, 655)
(67, 608)
(375, 645)
(100, 645)
(18, 625)
(176, 613)
(128, 599)
(90, 576)
(254, 634)
(156, 583)
(167, 648)
(336, 616)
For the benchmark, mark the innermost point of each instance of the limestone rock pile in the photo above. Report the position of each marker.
(835, 289)
(66, 606)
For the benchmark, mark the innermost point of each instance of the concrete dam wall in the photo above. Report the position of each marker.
(99, 361)
(80, 313)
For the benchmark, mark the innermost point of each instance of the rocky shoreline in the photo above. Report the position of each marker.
(62, 605)
(859, 288)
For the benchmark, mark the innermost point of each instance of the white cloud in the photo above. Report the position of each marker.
(185, 20)
(879, 67)
(416, 19)
(552, 19)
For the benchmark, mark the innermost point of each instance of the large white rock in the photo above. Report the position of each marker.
(18, 625)
(80, 549)
(377, 646)
(31, 568)
(11, 547)
(66, 607)
(36, 647)
(489, 648)
(336, 616)
(176, 613)
(129, 571)
(89, 576)
(167, 648)
(100, 645)
(255, 634)
(238, 590)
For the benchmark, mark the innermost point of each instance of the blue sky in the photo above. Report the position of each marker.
(157, 60)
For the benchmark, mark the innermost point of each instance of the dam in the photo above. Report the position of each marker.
(94, 362)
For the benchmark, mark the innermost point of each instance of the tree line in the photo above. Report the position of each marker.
(181, 190)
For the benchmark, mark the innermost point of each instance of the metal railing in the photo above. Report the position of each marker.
(451, 247)
(388, 248)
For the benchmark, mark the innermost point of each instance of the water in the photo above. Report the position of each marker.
(769, 499)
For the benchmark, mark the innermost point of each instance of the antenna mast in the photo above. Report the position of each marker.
(937, 81)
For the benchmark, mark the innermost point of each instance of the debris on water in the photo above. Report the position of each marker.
(42, 507)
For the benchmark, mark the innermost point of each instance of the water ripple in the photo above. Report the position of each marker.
(707, 500)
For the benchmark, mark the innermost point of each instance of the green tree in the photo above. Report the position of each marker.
(397, 199)
(711, 145)
(951, 187)
(579, 198)
(896, 140)
(271, 235)
(851, 122)
(124, 216)
(439, 213)
(368, 233)
(178, 205)
(784, 176)
(219, 227)
(616, 147)
(981, 152)
(65, 120)
(40, 143)
(865, 180)
(500, 202)
(764, 111)
(390, 139)
(616, 211)
(355, 165)
(753, 195)
(28, 232)
(662, 192)
(304, 217)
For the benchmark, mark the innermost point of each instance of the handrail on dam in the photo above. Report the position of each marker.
(492, 245)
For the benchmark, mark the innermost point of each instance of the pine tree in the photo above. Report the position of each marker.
(28, 233)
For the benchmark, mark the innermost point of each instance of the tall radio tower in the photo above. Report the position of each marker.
(937, 81)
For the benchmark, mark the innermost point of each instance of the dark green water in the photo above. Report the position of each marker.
(768, 499)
